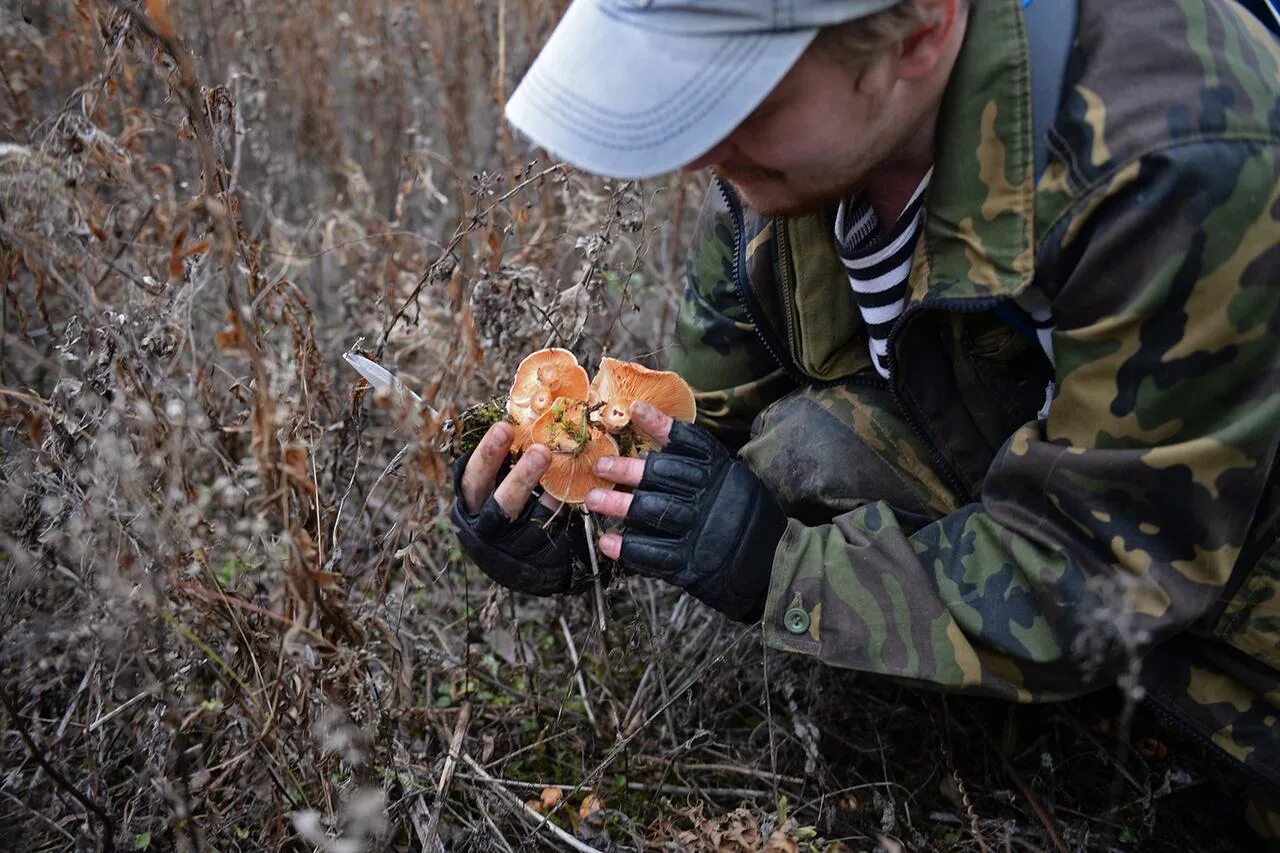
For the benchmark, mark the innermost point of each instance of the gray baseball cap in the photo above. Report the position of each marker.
(635, 88)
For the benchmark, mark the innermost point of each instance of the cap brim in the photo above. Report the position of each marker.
(624, 102)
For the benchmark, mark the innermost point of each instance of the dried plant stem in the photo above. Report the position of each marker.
(595, 574)
(943, 723)
(1032, 800)
(100, 814)
(466, 227)
(511, 798)
(431, 840)
(577, 672)
(686, 790)
(734, 769)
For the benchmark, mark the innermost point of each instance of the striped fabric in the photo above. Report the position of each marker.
(879, 264)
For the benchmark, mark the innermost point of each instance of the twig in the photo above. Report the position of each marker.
(98, 812)
(768, 705)
(464, 228)
(117, 711)
(89, 672)
(511, 798)
(689, 790)
(1107, 754)
(421, 824)
(577, 673)
(595, 573)
(430, 842)
(943, 723)
(1032, 800)
(27, 806)
(763, 775)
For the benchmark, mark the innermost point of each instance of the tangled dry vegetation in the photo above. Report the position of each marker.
(232, 613)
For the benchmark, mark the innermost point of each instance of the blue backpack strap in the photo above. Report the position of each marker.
(1051, 29)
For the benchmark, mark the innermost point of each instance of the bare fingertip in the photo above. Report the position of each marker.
(611, 545)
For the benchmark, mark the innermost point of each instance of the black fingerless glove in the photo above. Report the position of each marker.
(703, 521)
(541, 552)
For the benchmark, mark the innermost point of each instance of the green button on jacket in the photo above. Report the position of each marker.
(796, 620)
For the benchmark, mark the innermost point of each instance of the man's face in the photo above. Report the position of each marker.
(817, 136)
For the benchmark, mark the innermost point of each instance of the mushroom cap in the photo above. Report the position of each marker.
(575, 446)
(618, 384)
(542, 377)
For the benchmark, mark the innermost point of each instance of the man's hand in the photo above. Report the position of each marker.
(697, 518)
(525, 544)
(482, 467)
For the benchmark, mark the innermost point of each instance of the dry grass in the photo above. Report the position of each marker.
(232, 613)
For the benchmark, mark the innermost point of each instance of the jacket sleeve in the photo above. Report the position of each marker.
(1115, 522)
(717, 350)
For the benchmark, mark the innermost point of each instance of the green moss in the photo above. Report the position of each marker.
(475, 422)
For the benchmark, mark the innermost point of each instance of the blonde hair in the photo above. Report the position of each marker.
(854, 43)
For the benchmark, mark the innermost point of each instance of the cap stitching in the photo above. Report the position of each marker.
(569, 115)
(557, 97)
(712, 70)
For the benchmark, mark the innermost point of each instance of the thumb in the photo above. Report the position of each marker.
(651, 422)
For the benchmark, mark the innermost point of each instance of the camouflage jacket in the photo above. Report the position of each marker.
(946, 530)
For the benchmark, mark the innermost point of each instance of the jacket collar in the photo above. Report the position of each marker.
(978, 238)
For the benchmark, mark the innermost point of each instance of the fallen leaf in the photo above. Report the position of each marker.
(590, 805)
(780, 842)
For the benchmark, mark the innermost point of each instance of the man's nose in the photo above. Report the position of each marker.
(715, 156)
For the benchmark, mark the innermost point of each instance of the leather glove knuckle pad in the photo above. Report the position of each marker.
(660, 513)
(695, 442)
(674, 474)
(717, 540)
(651, 555)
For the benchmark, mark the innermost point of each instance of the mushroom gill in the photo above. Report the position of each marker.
(620, 383)
(575, 446)
(540, 379)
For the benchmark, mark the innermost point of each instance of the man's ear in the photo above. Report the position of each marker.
(923, 49)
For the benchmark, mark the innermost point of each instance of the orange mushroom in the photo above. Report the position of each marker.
(620, 383)
(575, 445)
(542, 377)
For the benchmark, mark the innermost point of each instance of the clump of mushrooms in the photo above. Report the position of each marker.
(541, 379)
(552, 403)
(575, 446)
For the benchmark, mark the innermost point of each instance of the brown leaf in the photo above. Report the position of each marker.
(35, 428)
(295, 467)
(551, 797)
(232, 335)
(175, 254)
(780, 842)
(590, 805)
(495, 250)
(158, 12)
